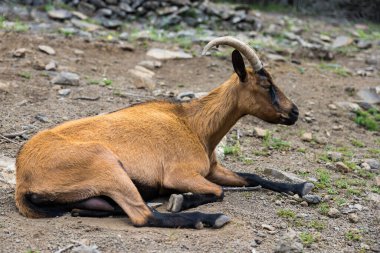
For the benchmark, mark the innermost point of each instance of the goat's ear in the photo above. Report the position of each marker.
(239, 66)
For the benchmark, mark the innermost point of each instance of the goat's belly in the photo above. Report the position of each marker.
(147, 192)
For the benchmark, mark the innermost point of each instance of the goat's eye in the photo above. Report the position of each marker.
(264, 82)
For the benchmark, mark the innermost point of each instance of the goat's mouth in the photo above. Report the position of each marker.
(291, 117)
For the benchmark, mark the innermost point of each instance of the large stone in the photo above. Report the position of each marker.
(66, 78)
(84, 25)
(4, 87)
(59, 14)
(370, 95)
(342, 41)
(259, 132)
(282, 175)
(141, 79)
(308, 137)
(312, 199)
(289, 243)
(163, 54)
(19, 53)
(7, 170)
(150, 64)
(46, 49)
(348, 106)
(334, 213)
(374, 164)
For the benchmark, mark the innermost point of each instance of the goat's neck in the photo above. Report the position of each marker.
(213, 116)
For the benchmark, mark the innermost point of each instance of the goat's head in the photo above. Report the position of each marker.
(258, 95)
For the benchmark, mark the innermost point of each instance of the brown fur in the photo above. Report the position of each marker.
(158, 144)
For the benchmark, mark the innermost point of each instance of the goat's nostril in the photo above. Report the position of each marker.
(295, 111)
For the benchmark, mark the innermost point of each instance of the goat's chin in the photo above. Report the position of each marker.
(288, 121)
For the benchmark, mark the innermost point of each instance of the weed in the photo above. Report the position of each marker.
(341, 183)
(48, 7)
(357, 143)
(2, 19)
(317, 225)
(335, 68)
(286, 213)
(93, 82)
(264, 152)
(20, 27)
(354, 191)
(340, 201)
(306, 238)
(232, 150)
(368, 119)
(66, 32)
(275, 143)
(301, 150)
(332, 191)
(374, 151)
(107, 82)
(375, 189)
(25, 75)
(353, 235)
(298, 222)
(324, 178)
(247, 161)
(324, 208)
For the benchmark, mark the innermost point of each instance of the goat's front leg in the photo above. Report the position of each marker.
(225, 177)
(196, 191)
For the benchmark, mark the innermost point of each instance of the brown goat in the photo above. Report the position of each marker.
(113, 163)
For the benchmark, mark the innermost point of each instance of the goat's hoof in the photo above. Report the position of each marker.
(221, 221)
(175, 203)
(307, 187)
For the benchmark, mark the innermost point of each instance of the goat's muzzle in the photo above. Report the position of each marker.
(292, 116)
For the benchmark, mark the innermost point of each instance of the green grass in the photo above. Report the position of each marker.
(25, 75)
(307, 238)
(275, 143)
(93, 82)
(357, 143)
(335, 68)
(65, 32)
(375, 189)
(232, 150)
(2, 19)
(286, 213)
(341, 183)
(340, 201)
(17, 26)
(324, 208)
(107, 82)
(317, 225)
(324, 178)
(370, 119)
(353, 235)
(263, 152)
(354, 191)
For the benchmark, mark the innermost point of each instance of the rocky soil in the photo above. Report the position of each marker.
(57, 69)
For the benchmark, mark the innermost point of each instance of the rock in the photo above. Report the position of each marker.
(66, 78)
(59, 14)
(51, 66)
(308, 137)
(332, 106)
(348, 106)
(312, 199)
(38, 64)
(370, 95)
(64, 92)
(162, 54)
(334, 156)
(78, 52)
(334, 213)
(374, 197)
(84, 25)
(219, 150)
(111, 24)
(276, 57)
(4, 87)
(141, 79)
(341, 167)
(19, 53)
(325, 38)
(363, 44)
(372, 60)
(79, 15)
(259, 132)
(374, 164)
(268, 227)
(289, 243)
(282, 175)
(277, 202)
(188, 95)
(342, 41)
(365, 166)
(46, 49)
(127, 47)
(85, 249)
(124, 36)
(7, 170)
(150, 64)
(377, 181)
(353, 218)
(42, 118)
(304, 204)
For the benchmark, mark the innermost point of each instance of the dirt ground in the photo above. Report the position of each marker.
(312, 91)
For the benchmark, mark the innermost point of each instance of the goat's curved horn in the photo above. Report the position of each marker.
(243, 48)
